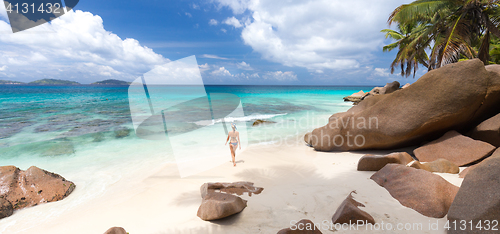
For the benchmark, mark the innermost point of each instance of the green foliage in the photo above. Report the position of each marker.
(495, 51)
(438, 32)
(111, 82)
(53, 82)
(10, 82)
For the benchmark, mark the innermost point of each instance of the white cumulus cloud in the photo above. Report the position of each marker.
(212, 56)
(244, 66)
(233, 22)
(213, 22)
(280, 76)
(381, 72)
(317, 34)
(74, 46)
(247, 76)
(100, 70)
(221, 72)
(3, 13)
(204, 67)
(238, 6)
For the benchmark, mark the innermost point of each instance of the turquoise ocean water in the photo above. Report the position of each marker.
(85, 133)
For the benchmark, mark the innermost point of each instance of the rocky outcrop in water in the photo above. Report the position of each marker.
(58, 147)
(94, 126)
(361, 95)
(121, 132)
(10, 129)
(355, 97)
(261, 121)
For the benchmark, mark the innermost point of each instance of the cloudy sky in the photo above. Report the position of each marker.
(257, 42)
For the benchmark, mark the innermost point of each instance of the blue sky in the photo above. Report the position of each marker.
(317, 42)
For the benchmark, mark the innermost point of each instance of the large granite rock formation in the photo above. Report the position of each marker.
(374, 163)
(457, 96)
(423, 191)
(32, 187)
(454, 147)
(478, 199)
(349, 212)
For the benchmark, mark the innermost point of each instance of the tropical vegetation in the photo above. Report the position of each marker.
(53, 82)
(434, 33)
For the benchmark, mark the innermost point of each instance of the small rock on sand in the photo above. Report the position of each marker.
(116, 230)
(374, 163)
(220, 205)
(349, 212)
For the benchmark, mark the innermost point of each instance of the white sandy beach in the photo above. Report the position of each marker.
(299, 183)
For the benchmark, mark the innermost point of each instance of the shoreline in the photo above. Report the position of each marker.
(299, 183)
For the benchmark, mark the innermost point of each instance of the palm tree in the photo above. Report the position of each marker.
(495, 51)
(449, 29)
(410, 53)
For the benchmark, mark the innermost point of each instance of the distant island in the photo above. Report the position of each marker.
(63, 82)
(111, 82)
(10, 82)
(53, 82)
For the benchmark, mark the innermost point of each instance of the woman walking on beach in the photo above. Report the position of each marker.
(235, 139)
